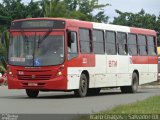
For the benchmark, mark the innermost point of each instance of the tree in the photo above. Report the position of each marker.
(55, 8)
(4, 18)
(14, 8)
(141, 19)
(33, 9)
(4, 50)
(77, 9)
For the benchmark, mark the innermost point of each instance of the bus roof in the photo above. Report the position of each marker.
(94, 25)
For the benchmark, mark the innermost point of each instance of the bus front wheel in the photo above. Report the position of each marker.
(83, 86)
(32, 93)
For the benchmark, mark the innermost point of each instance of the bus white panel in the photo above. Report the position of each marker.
(111, 27)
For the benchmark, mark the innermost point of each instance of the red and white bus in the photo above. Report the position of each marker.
(55, 54)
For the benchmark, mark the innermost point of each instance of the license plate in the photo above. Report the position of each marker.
(32, 84)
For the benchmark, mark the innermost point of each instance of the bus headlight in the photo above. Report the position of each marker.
(10, 73)
(59, 73)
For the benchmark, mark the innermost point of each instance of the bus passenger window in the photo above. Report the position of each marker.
(111, 43)
(122, 43)
(85, 41)
(151, 46)
(142, 45)
(72, 45)
(132, 44)
(98, 42)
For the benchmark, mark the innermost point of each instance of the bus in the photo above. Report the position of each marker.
(57, 54)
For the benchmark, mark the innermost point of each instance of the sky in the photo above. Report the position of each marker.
(150, 6)
(135, 6)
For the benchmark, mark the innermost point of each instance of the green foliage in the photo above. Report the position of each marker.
(77, 9)
(3, 51)
(140, 19)
(55, 8)
(33, 9)
(15, 9)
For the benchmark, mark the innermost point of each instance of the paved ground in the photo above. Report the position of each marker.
(16, 101)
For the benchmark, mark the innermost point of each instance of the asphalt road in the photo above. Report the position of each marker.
(16, 101)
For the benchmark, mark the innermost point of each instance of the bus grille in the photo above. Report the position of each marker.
(34, 77)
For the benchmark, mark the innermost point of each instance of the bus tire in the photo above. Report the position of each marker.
(134, 87)
(83, 86)
(93, 91)
(32, 93)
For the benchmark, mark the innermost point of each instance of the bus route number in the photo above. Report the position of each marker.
(112, 63)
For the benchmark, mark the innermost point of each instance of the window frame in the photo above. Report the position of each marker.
(155, 44)
(76, 54)
(142, 45)
(90, 41)
(98, 41)
(117, 43)
(133, 44)
(110, 42)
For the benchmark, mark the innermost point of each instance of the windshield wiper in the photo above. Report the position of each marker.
(24, 36)
(44, 37)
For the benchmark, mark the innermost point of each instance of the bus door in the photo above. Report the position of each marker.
(82, 61)
(72, 57)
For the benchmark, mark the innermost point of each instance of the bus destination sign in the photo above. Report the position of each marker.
(33, 24)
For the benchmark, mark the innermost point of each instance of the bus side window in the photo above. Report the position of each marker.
(142, 45)
(72, 45)
(111, 43)
(85, 40)
(132, 44)
(151, 46)
(122, 43)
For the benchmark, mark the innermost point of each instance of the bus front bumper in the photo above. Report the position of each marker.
(58, 83)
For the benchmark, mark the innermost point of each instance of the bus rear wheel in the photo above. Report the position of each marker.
(32, 93)
(134, 87)
(83, 86)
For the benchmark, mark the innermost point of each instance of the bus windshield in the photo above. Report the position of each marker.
(36, 50)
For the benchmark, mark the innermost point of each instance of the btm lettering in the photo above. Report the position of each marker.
(112, 63)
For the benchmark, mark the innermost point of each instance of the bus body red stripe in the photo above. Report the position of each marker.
(143, 31)
(145, 60)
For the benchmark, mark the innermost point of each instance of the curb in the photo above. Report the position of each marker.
(150, 87)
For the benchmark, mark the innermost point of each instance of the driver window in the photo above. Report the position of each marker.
(72, 46)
